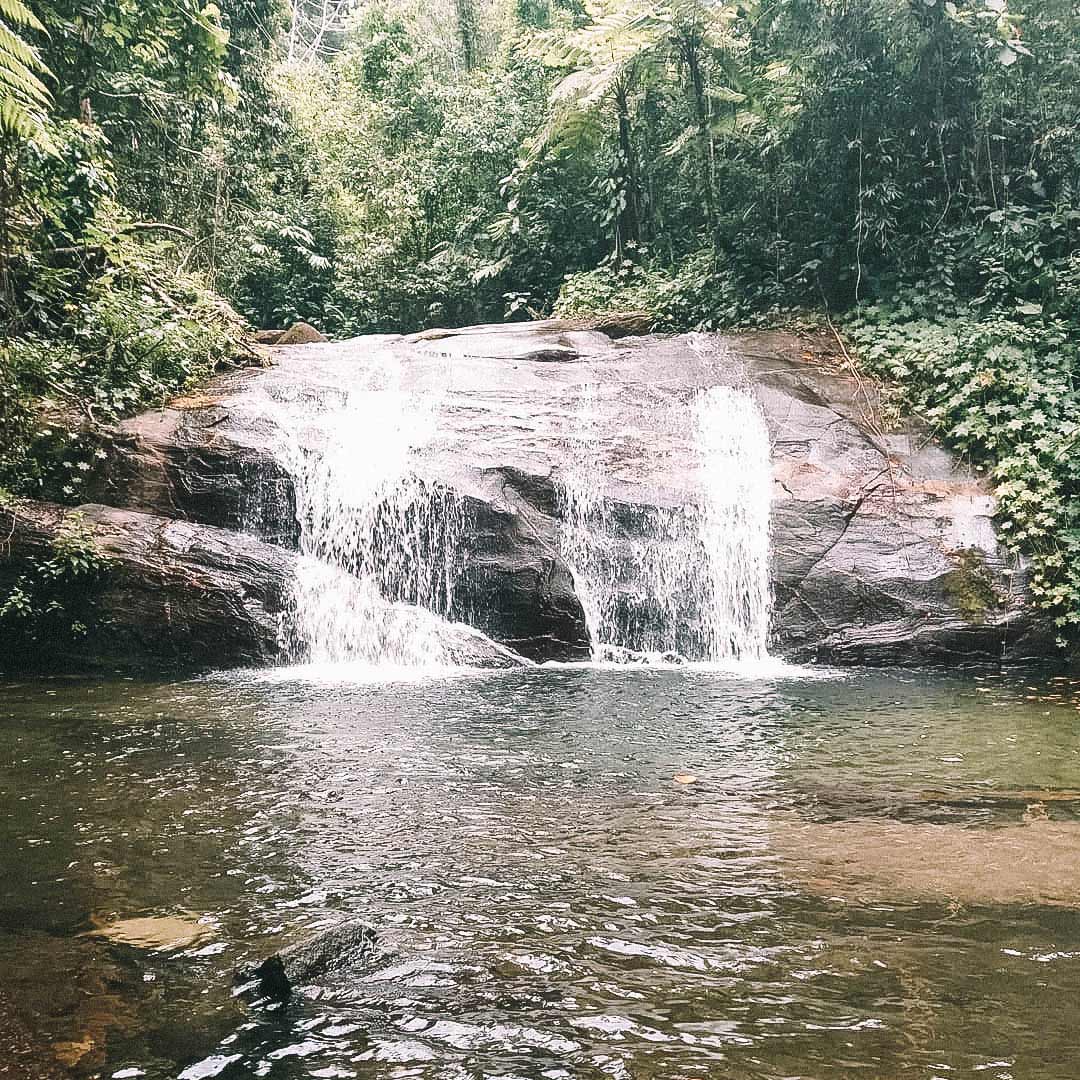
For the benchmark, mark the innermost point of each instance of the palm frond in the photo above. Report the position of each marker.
(17, 13)
(24, 97)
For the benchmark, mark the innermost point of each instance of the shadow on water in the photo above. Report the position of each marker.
(571, 872)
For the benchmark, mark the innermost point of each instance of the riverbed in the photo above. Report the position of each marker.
(572, 873)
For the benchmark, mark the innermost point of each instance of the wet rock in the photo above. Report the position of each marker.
(883, 545)
(515, 587)
(174, 594)
(58, 1014)
(177, 595)
(178, 463)
(344, 949)
(268, 337)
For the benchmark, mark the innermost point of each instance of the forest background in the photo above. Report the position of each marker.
(173, 173)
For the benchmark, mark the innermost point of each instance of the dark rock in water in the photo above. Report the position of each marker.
(300, 333)
(343, 949)
(268, 337)
(616, 654)
(177, 595)
(174, 594)
(516, 588)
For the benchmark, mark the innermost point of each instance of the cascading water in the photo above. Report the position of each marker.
(587, 523)
(732, 518)
(381, 546)
(683, 571)
(691, 580)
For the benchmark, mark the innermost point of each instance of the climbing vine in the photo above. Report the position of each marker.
(1000, 389)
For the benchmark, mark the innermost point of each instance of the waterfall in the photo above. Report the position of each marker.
(381, 547)
(691, 580)
(682, 572)
(586, 522)
(732, 519)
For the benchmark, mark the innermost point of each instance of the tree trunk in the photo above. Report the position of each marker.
(692, 55)
(628, 220)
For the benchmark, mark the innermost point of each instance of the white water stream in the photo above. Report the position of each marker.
(691, 580)
(382, 547)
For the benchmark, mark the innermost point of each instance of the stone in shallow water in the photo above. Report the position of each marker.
(161, 933)
(21, 1050)
(342, 948)
(875, 860)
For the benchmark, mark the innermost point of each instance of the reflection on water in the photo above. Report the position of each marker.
(871, 876)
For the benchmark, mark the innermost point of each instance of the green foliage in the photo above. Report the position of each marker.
(23, 96)
(51, 603)
(99, 315)
(700, 294)
(101, 320)
(378, 208)
(139, 333)
(1000, 389)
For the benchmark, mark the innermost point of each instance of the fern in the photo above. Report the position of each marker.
(23, 95)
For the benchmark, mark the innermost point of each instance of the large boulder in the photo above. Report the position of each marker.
(176, 594)
(173, 593)
(883, 546)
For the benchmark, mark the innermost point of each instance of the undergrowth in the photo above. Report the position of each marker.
(1000, 388)
(50, 603)
(131, 335)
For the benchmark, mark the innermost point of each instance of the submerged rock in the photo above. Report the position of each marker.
(343, 949)
(159, 933)
(883, 861)
(24, 1054)
(59, 1013)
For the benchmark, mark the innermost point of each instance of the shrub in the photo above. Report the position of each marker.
(998, 388)
(701, 294)
(50, 604)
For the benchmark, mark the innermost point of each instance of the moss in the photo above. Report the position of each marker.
(970, 585)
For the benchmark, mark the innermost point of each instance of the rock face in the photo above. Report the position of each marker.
(883, 549)
(177, 595)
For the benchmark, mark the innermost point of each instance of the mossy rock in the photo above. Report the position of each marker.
(300, 333)
(970, 586)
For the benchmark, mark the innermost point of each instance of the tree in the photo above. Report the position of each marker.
(609, 60)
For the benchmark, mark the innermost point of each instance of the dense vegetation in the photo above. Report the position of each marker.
(908, 168)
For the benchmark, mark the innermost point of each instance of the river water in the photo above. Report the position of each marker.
(578, 872)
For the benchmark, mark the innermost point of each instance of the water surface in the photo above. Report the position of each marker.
(862, 876)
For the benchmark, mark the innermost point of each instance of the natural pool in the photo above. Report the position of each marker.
(868, 875)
